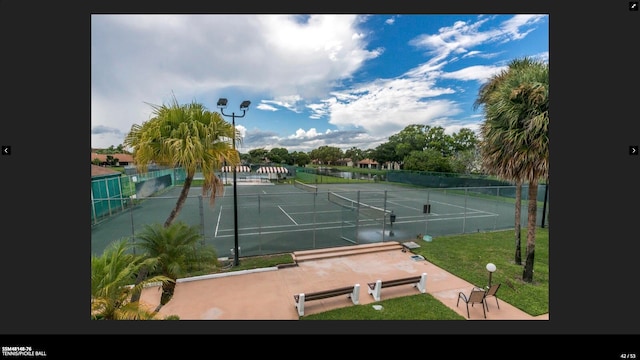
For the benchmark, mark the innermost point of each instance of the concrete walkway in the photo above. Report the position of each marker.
(267, 294)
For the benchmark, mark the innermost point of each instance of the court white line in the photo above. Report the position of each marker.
(317, 212)
(284, 212)
(442, 203)
(444, 219)
(218, 222)
(338, 227)
(462, 207)
(287, 231)
(474, 211)
(405, 206)
(418, 219)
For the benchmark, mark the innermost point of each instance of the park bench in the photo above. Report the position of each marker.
(353, 292)
(418, 281)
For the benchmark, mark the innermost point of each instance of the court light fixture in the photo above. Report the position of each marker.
(244, 106)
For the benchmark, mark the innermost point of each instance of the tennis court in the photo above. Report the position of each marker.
(284, 218)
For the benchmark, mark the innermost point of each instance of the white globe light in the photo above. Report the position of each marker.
(491, 267)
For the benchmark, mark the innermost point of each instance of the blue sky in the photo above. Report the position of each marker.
(338, 80)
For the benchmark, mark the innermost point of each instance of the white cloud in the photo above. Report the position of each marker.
(513, 27)
(294, 65)
(147, 58)
(302, 134)
(265, 106)
(478, 73)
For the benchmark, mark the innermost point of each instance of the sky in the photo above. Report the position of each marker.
(343, 80)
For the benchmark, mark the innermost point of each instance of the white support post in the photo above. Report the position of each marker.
(422, 285)
(376, 290)
(300, 304)
(355, 295)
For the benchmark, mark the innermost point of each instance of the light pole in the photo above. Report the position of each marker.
(244, 106)
(490, 268)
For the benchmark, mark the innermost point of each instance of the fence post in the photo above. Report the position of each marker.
(201, 218)
(544, 206)
(464, 218)
(133, 230)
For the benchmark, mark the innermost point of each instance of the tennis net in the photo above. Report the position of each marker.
(305, 187)
(369, 211)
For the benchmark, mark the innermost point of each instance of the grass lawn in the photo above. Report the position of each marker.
(413, 307)
(313, 179)
(466, 256)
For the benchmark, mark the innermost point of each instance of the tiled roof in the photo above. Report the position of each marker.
(367, 161)
(121, 157)
(101, 171)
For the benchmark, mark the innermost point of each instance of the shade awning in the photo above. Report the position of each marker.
(242, 168)
(272, 170)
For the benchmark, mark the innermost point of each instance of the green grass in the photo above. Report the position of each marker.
(257, 262)
(313, 179)
(466, 256)
(246, 263)
(413, 307)
(356, 170)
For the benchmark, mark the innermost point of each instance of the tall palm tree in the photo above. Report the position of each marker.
(187, 136)
(494, 152)
(176, 250)
(112, 276)
(515, 133)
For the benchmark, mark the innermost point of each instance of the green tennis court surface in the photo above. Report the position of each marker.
(284, 218)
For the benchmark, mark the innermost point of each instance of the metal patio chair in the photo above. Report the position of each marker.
(477, 296)
(491, 291)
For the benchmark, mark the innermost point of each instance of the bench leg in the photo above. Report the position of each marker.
(355, 295)
(376, 290)
(300, 304)
(422, 285)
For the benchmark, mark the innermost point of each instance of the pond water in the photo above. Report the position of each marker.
(349, 174)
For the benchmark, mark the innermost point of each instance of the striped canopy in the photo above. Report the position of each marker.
(238, 169)
(272, 169)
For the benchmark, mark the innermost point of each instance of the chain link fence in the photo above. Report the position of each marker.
(284, 218)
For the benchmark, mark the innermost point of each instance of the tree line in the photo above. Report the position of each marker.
(416, 147)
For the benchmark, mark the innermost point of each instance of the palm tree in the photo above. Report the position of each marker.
(187, 136)
(112, 274)
(494, 152)
(176, 251)
(515, 134)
